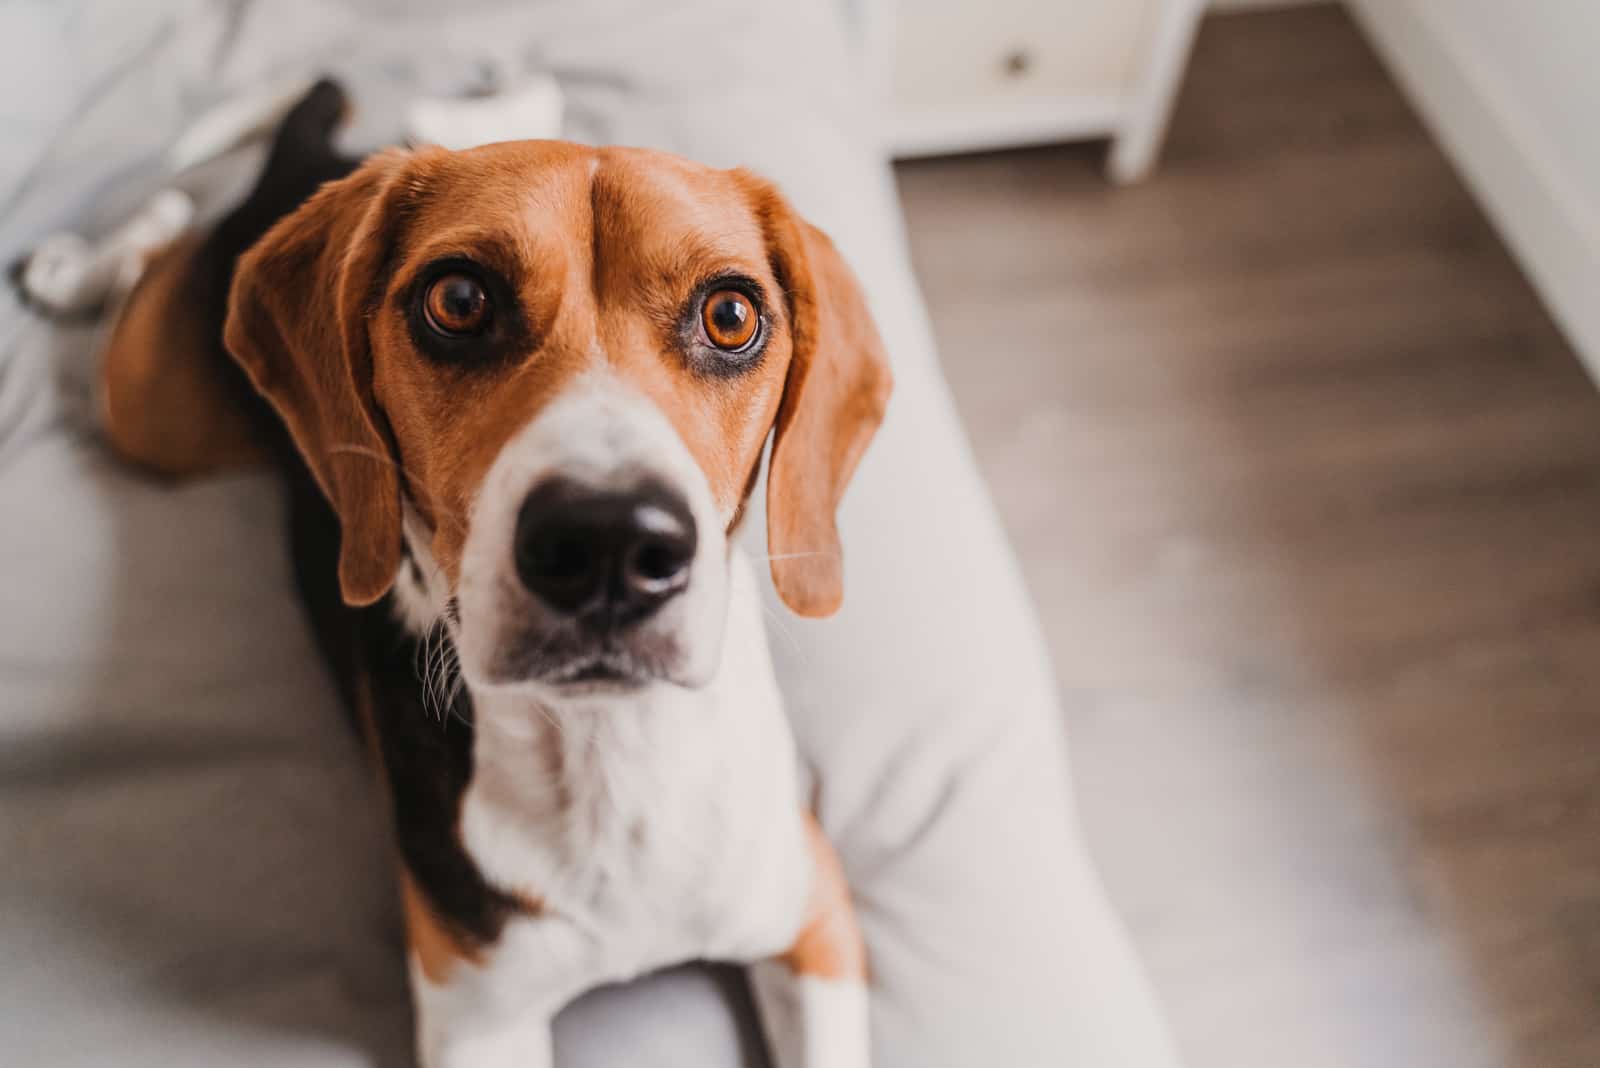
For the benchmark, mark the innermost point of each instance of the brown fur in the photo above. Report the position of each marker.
(838, 386)
(603, 247)
(829, 945)
(297, 324)
(164, 404)
(437, 950)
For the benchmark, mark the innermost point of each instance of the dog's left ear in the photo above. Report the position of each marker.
(834, 397)
(297, 324)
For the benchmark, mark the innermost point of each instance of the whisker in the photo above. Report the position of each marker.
(549, 718)
(457, 684)
(426, 671)
(430, 673)
(420, 665)
(444, 669)
(441, 673)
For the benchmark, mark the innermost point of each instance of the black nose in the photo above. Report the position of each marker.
(614, 556)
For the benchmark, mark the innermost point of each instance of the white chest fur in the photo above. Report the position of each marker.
(652, 828)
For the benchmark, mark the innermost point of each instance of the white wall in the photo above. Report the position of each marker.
(1544, 56)
(1512, 88)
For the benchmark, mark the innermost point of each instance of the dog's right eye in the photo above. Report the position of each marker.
(456, 305)
(730, 320)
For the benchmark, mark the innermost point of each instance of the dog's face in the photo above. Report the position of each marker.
(535, 381)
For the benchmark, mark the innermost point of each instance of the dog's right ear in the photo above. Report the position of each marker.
(297, 324)
(835, 391)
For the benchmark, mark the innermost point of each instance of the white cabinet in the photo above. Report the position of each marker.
(961, 75)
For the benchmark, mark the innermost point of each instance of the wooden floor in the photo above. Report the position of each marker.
(1307, 487)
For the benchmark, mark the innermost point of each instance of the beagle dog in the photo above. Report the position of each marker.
(521, 395)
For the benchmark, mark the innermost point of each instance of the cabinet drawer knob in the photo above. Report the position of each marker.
(1017, 63)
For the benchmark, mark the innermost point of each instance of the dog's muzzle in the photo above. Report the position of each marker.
(595, 558)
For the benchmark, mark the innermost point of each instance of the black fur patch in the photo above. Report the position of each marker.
(426, 753)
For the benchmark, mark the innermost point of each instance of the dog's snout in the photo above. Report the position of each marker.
(615, 556)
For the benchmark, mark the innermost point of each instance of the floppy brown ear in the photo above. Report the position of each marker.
(833, 400)
(297, 324)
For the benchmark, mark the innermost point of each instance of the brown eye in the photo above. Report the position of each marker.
(730, 319)
(456, 305)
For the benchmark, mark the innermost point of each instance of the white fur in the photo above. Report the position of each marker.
(811, 1022)
(468, 1025)
(654, 826)
(422, 590)
(608, 437)
(669, 818)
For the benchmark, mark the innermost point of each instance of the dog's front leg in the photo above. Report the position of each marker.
(454, 1035)
(813, 998)
(472, 1009)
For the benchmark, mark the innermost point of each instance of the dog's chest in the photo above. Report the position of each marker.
(640, 833)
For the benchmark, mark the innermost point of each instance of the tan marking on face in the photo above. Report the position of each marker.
(603, 254)
(613, 294)
(683, 227)
(829, 945)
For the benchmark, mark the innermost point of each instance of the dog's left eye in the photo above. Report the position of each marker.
(456, 305)
(730, 319)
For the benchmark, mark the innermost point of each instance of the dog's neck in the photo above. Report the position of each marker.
(569, 794)
(566, 797)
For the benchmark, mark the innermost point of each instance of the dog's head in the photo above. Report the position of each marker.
(535, 381)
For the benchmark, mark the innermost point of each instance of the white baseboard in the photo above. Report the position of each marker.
(1549, 220)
